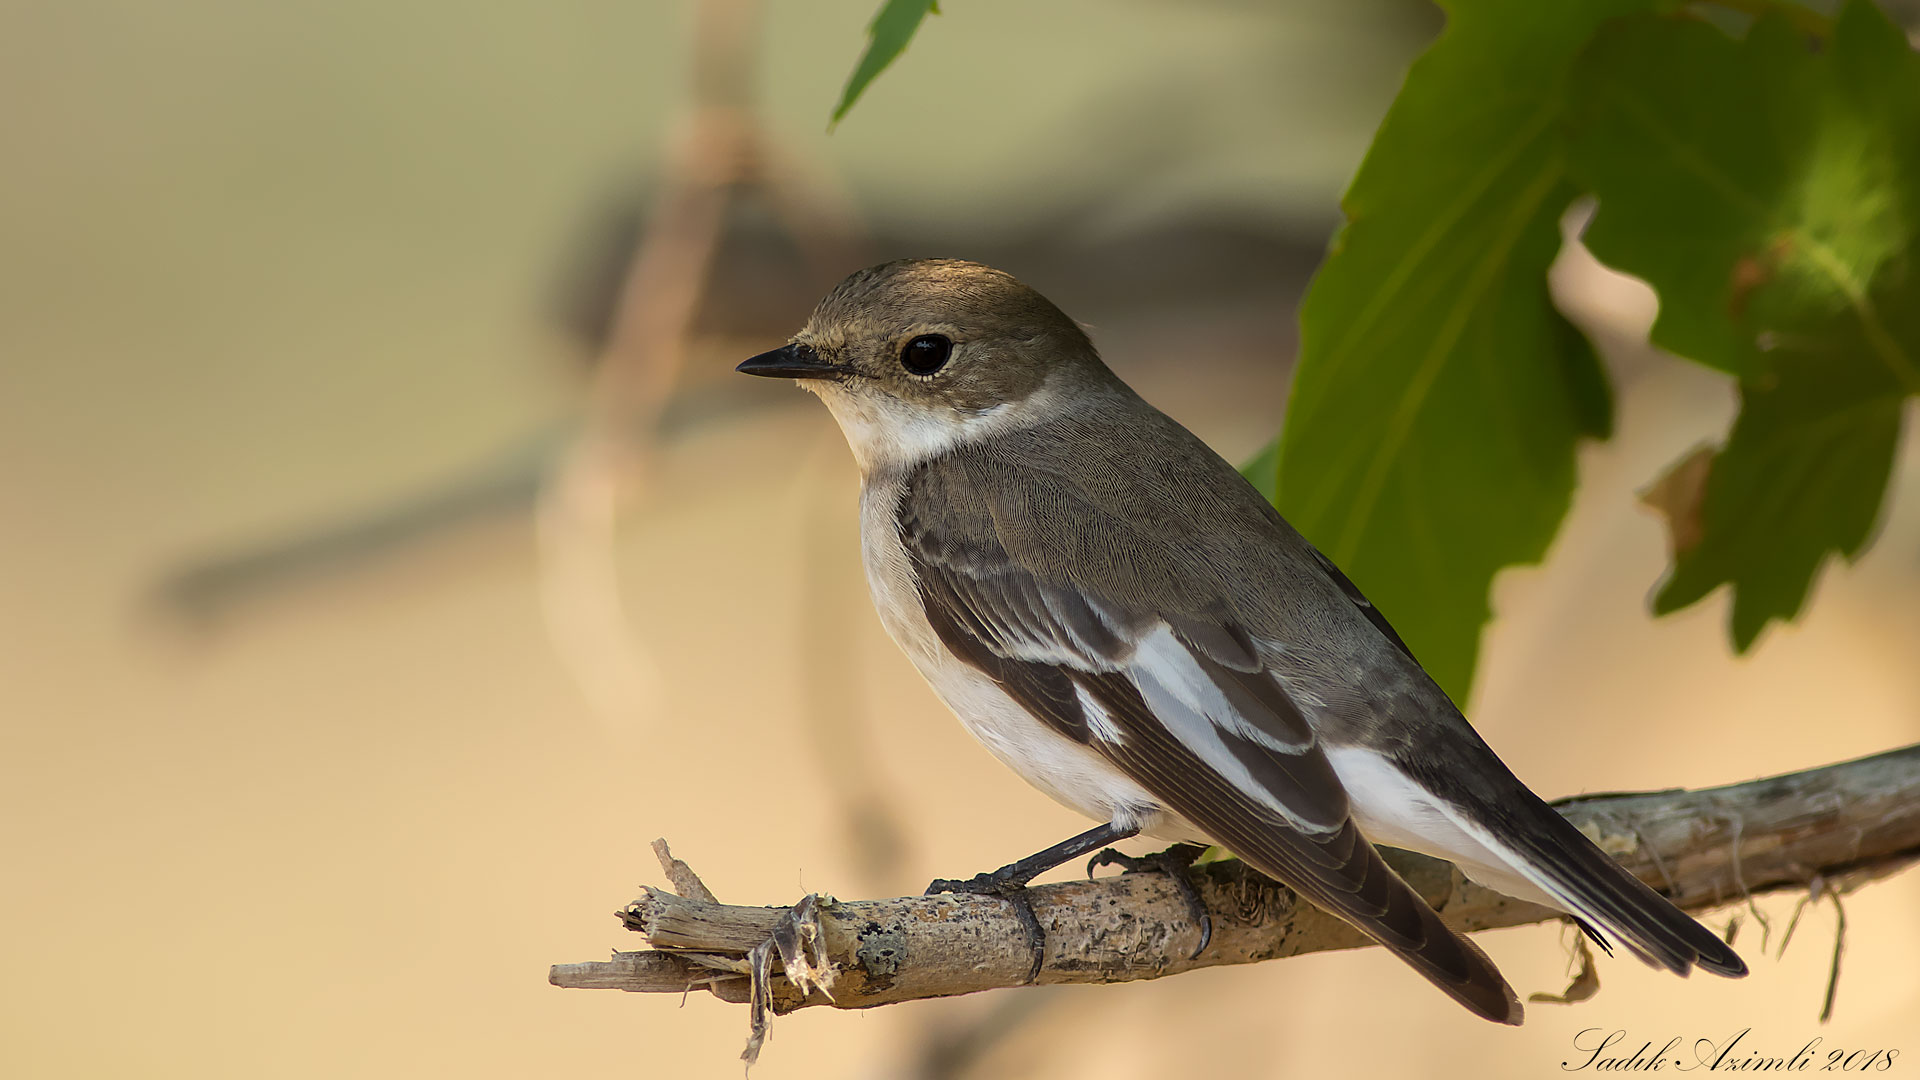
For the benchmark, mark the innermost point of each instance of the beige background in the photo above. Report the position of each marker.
(265, 266)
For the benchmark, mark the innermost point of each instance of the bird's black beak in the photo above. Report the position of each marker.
(793, 361)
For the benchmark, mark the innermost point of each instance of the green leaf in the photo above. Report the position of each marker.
(1430, 436)
(887, 37)
(1801, 475)
(1769, 190)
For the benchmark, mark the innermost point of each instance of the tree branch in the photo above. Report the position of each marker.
(1833, 828)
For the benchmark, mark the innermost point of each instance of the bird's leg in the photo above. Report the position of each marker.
(1173, 862)
(1010, 881)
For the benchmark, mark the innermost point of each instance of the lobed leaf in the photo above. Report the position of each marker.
(1439, 397)
(1769, 189)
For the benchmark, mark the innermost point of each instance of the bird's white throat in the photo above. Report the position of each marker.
(887, 433)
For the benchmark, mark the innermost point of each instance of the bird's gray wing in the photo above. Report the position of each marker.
(1177, 697)
(1542, 845)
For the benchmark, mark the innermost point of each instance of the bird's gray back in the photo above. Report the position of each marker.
(1119, 502)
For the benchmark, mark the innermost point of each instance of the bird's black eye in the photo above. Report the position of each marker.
(926, 354)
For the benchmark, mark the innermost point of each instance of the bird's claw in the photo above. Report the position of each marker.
(1013, 892)
(1173, 862)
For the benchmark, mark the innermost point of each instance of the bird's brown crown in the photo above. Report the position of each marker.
(945, 332)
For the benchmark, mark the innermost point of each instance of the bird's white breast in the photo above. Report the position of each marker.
(1070, 773)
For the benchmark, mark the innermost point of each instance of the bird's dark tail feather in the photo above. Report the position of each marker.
(1336, 870)
(1600, 891)
(1381, 905)
(1485, 991)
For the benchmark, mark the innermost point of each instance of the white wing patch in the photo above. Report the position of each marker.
(1195, 711)
(1100, 725)
(1164, 660)
(1391, 809)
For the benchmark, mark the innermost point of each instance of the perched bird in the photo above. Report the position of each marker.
(1122, 619)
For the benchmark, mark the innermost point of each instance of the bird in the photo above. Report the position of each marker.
(1121, 618)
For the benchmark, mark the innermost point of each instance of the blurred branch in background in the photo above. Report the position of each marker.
(1826, 830)
(204, 590)
(579, 481)
(642, 358)
(584, 475)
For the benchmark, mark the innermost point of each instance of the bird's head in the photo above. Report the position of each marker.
(918, 355)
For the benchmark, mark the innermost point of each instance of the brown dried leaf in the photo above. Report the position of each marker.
(1678, 494)
(1586, 981)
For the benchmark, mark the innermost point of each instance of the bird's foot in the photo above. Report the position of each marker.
(1011, 888)
(1173, 862)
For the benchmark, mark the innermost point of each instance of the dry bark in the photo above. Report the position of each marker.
(1824, 830)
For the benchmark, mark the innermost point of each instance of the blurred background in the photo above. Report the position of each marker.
(388, 553)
